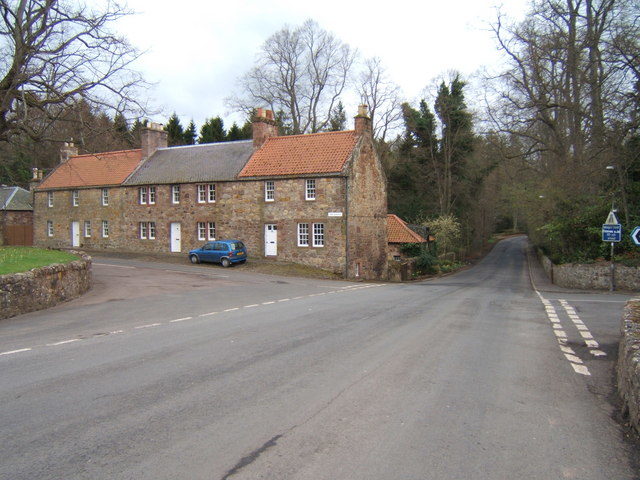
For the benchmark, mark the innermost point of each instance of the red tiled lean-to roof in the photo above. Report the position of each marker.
(109, 168)
(398, 232)
(301, 154)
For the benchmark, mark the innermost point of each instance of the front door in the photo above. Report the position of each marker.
(176, 245)
(270, 240)
(75, 234)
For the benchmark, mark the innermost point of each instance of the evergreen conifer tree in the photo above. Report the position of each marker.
(175, 132)
(190, 134)
(212, 131)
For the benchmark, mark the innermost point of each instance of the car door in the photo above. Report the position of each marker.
(207, 253)
(222, 250)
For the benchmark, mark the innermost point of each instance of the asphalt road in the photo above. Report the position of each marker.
(198, 372)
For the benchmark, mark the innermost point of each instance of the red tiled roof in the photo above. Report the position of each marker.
(301, 154)
(109, 168)
(398, 232)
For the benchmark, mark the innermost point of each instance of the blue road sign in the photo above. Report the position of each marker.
(635, 236)
(612, 233)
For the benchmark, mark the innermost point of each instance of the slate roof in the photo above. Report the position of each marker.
(109, 168)
(399, 232)
(15, 198)
(194, 163)
(315, 153)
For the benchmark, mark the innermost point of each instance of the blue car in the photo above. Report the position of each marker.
(224, 252)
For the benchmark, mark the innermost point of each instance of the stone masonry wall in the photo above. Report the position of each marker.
(591, 276)
(240, 212)
(44, 287)
(367, 236)
(628, 368)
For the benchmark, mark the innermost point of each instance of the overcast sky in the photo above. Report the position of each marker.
(197, 49)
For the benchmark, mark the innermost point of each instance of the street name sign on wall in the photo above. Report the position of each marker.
(611, 233)
(635, 236)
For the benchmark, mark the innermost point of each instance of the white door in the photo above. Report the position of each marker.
(270, 240)
(175, 237)
(75, 234)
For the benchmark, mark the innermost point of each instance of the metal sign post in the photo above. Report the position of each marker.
(612, 233)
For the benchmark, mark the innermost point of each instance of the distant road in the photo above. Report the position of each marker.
(197, 372)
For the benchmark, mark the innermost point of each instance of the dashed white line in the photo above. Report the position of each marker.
(268, 303)
(180, 319)
(284, 300)
(10, 352)
(252, 305)
(231, 309)
(63, 342)
(148, 325)
(207, 314)
(581, 369)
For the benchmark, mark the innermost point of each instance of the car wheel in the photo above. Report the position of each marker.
(194, 259)
(225, 262)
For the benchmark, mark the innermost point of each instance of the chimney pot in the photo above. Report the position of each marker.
(362, 121)
(67, 150)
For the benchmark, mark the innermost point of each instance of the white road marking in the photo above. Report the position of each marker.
(63, 342)
(583, 330)
(207, 314)
(597, 353)
(252, 305)
(148, 325)
(572, 358)
(231, 309)
(15, 351)
(284, 300)
(180, 319)
(296, 298)
(586, 335)
(567, 350)
(591, 343)
(581, 369)
(560, 333)
(116, 332)
(268, 303)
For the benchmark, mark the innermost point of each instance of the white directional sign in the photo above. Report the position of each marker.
(635, 236)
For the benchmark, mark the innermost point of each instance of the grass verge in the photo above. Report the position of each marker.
(23, 259)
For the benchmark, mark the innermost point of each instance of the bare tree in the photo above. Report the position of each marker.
(54, 53)
(299, 73)
(382, 97)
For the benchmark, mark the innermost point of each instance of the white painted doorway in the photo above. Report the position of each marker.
(176, 245)
(75, 234)
(270, 240)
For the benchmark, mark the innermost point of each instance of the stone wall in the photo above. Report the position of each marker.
(628, 368)
(44, 287)
(591, 276)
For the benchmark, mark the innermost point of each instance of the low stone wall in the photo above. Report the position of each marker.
(44, 287)
(590, 276)
(628, 369)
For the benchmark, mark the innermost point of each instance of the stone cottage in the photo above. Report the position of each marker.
(16, 216)
(316, 199)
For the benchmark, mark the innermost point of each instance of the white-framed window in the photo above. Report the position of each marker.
(75, 198)
(202, 230)
(152, 195)
(175, 194)
(87, 228)
(143, 230)
(303, 234)
(152, 230)
(49, 228)
(211, 230)
(207, 193)
(50, 199)
(310, 189)
(318, 234)
(211, 189)
(105, 228)
(105, 197)
(202, 193)
(142, 194)
(269, 191)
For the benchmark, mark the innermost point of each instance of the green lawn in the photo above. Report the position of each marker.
(22, 259)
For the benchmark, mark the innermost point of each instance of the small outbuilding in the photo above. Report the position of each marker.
(398, 234)
(16, 216)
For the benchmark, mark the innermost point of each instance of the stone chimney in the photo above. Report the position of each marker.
(67, 150)
(264, 126)
(36, 178)
(363, 122)
(152, 137)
